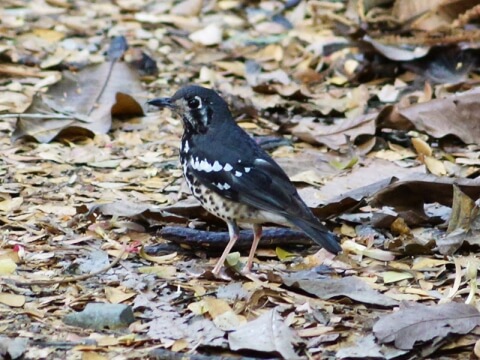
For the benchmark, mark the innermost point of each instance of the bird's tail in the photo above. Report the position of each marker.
(318, 233)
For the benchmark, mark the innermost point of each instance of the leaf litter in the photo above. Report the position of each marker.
(377, 103)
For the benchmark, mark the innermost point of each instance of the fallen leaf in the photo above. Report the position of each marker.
(364, 347)
(82, 103)
(398, 53)
(187, 8)
(165, 259)
(435, 166)
(117, 296)
(421, 147)
(395, 276)
(7, 266)
(326, 288)
(12, 300)
(419, 322)
(222, 314)
(284, 255)
(378, 254)
(268, 333)
(461, 226)
(436, 117)
(334, 136)
(210, 35)
(161, 271)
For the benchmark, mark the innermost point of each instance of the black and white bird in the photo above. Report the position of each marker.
(232, 176)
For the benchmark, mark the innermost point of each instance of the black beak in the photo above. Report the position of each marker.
(162, 103)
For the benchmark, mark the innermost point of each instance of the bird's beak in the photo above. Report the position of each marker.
(162, 103)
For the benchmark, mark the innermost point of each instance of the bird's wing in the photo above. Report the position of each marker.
(258, 182)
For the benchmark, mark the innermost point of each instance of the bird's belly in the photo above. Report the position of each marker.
(227, 209)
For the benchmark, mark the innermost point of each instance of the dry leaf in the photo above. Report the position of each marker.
(418, 322)
(268, 333)
(12, 300)
(325, 288)
(421, 147)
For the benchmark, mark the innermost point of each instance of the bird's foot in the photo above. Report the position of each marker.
(247, 270)
(216, 270)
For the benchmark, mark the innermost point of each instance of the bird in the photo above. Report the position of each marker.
(233, 177)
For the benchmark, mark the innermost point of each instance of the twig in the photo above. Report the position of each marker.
(37, 116)
(218, 240)
(74, 278)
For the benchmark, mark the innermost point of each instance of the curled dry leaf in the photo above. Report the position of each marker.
(378, 254)
(398, 53)
(421, 147)
(82, 104)
(464, 214)
(412, 193)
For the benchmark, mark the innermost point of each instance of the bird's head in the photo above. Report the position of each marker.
(200, 108)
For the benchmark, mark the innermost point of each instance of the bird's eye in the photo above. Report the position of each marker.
(195, 103)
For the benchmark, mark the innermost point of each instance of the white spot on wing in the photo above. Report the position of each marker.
(224, 186)
(238, 173)
(247, 169)
(186, 148)
(205, 166)
(195, 163)
(216, 166)
(227, 167)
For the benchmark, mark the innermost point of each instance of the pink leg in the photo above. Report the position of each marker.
(257, 235)
(233, 232)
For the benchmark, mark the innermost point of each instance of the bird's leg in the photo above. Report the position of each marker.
(233, 231)
(257, 235)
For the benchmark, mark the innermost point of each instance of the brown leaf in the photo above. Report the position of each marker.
(326, 288)
(12, 300)
(462, 208)
(464, 213)
(268, 333)
(458, 115)
(82, 104)
(334, 136)
(422, 147)
(168, 324)
(360, 177)
(397, 53)
(364, 347)
(187, 8)
(423, 323)
(412, 193)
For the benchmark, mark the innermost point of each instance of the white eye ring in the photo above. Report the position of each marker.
(195, 103)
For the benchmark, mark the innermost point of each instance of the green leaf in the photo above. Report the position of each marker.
(342, 166)
(395, 276)
(284, 255)
(233, 259)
